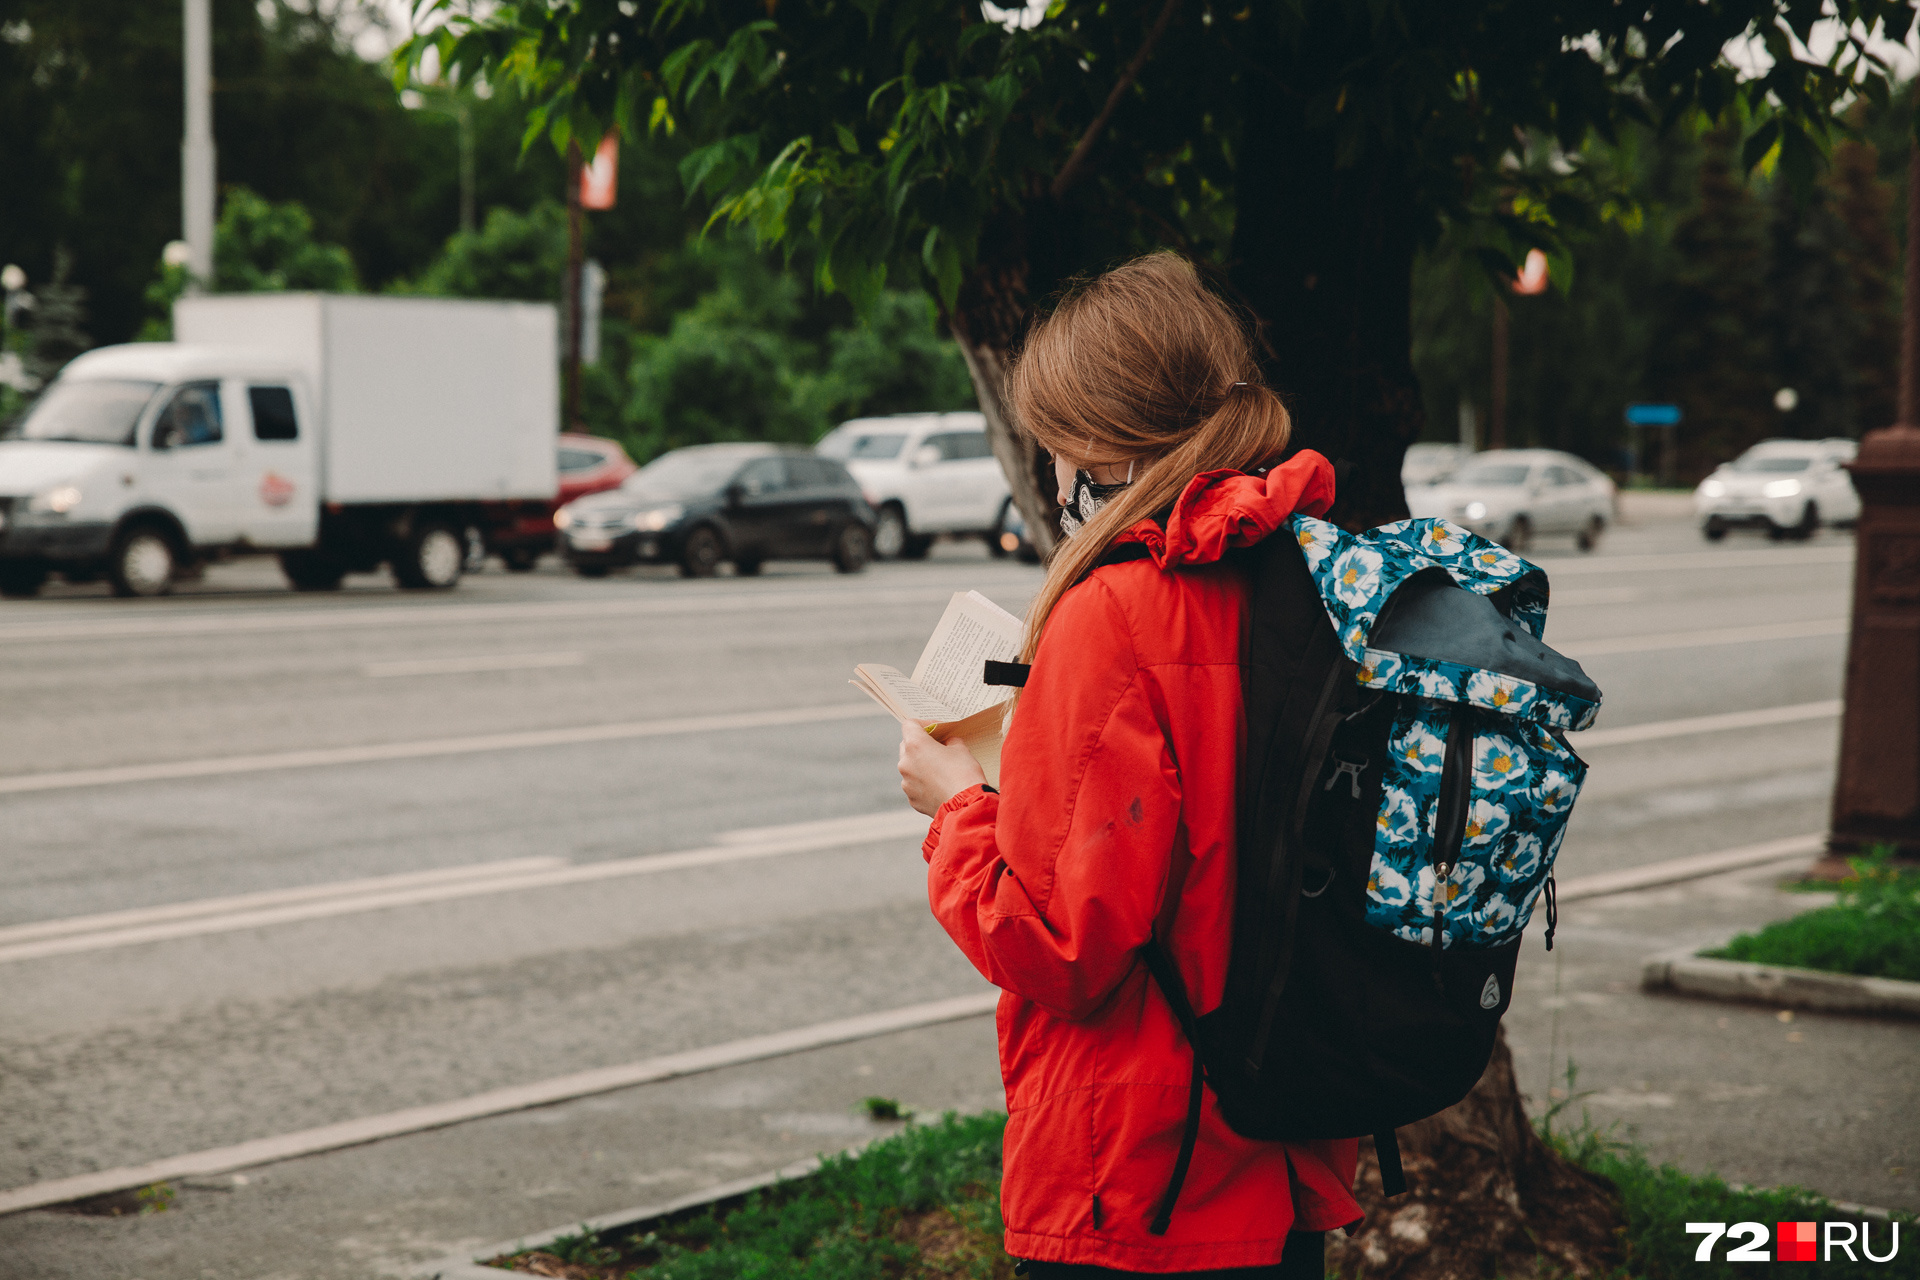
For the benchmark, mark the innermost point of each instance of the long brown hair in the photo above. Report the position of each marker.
(1142, 364)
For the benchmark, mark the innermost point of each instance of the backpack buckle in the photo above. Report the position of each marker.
(1348, 769)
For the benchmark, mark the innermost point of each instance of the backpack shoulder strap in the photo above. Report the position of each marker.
(1166, 973)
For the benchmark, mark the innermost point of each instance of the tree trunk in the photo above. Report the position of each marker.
(1486, 1197)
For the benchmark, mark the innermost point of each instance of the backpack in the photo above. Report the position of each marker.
(1406, 727)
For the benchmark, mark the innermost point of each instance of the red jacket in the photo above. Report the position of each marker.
(1125, 747)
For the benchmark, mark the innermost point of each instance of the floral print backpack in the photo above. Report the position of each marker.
(1407, 784)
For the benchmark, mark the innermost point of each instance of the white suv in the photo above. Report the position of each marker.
(1786, 487)
(926, 474)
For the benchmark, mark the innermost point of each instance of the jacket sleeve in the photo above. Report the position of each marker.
(1052, 887)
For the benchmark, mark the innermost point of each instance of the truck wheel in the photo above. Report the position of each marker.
(22, 580)
(520, 559)
(917, 546)
(852, 549)
(430, 560)
(142, 562)
(702, 553)
(890, 532)
(312, 570)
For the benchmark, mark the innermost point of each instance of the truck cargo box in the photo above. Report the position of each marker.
(420, 399)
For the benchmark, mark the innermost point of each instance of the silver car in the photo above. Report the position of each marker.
(1512, 496)
(1787, 488)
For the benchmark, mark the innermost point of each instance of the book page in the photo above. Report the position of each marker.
(973, 630)
(898, 694)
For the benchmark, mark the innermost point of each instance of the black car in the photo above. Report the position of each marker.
(698, 506)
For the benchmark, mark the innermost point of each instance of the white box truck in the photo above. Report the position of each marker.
(337, 432)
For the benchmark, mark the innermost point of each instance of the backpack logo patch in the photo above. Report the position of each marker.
(1490, 994)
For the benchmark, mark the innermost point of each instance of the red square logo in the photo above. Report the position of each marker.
(1794, 1242)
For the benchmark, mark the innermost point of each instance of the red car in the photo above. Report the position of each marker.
(587, 464)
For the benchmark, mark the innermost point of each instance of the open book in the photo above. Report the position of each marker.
(947, 684)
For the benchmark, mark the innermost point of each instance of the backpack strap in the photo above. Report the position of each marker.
(1167, 974)
(1393, 1178)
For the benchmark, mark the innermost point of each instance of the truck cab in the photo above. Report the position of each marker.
(141, 459)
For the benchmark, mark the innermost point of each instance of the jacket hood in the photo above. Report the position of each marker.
(1222, 509)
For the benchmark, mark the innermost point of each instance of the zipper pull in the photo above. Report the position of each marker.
(1350, 770)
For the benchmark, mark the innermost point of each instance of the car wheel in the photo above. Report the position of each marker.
(917, 547)
(1713, 530)
(1519, 534)
(431, 559)
(890, 532)
(1809, 524)
(520, 559)
(143, 562)
(592, 570)
(852, 549)
(1589, 538)
(22, 581)
(748, 566)
(312, 570)
(702, 553)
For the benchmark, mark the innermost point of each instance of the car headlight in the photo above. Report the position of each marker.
(563, 518)
(1712, 489)
(657, 519)
(1474, 511)
(1781, 488)
(57, 501)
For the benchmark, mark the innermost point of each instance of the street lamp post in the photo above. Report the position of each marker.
(196, 148)
(1876, 798)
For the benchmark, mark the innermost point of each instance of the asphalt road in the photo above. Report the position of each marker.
(238, 739)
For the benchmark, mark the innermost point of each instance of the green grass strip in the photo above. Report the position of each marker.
(1872, 930)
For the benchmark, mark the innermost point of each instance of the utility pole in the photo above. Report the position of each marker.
(196, 148)
(1876, 798)
(570, 417)
(1497, 420)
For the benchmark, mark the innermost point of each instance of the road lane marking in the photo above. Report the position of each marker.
(494, 1102)
(180, 623)
(109, 921)
(1692, 867)
(1589, 738)
(324, 757)
(462, 666)
(1688, 560)
(238, 915)
(1701, 639)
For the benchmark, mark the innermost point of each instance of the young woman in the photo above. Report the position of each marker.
(1119, 772)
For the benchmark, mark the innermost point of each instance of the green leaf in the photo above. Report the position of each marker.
(848, 143)
(1758, 144)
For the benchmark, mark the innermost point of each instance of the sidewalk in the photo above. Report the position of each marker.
(1826, 1102)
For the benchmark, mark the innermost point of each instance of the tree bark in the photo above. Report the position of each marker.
(1486, 1197)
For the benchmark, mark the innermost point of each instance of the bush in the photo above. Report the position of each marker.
(513, 255)
(1872, 930)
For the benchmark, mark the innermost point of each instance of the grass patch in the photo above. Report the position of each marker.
(1661, 1201)
(1873, 929)
(923, 1204)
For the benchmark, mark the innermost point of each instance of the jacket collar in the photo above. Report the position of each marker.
(1223, 509)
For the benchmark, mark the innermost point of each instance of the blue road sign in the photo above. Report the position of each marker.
(1653, 415)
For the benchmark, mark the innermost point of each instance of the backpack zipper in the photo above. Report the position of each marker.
(1450, 817)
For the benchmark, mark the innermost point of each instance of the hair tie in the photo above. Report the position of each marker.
(1239, 384)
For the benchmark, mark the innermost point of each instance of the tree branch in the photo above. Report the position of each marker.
(1076, 164)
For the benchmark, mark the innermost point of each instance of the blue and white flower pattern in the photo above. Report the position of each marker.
(1524, 777)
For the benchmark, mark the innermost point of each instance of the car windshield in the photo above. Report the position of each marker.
(1494, 473)
(687, 473)
(865, 444)
(92, 411)
(1770, 462)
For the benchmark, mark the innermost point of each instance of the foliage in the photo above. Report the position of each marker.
(844, 1222)
(59, 312)
(1873, 929)
(513, 255)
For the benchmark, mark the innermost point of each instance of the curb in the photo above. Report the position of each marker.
(462, 1265)
(1687, 973)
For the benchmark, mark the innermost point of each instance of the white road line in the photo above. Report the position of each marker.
(107, 921)
(1794, 714)
(802, 838)
(1694, 867)
(180, 622)
(483, 662)
(351, 1133)
(1701, 639)
(1728, 559)
(221, 766)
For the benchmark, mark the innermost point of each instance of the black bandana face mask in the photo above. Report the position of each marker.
(1088, 497)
